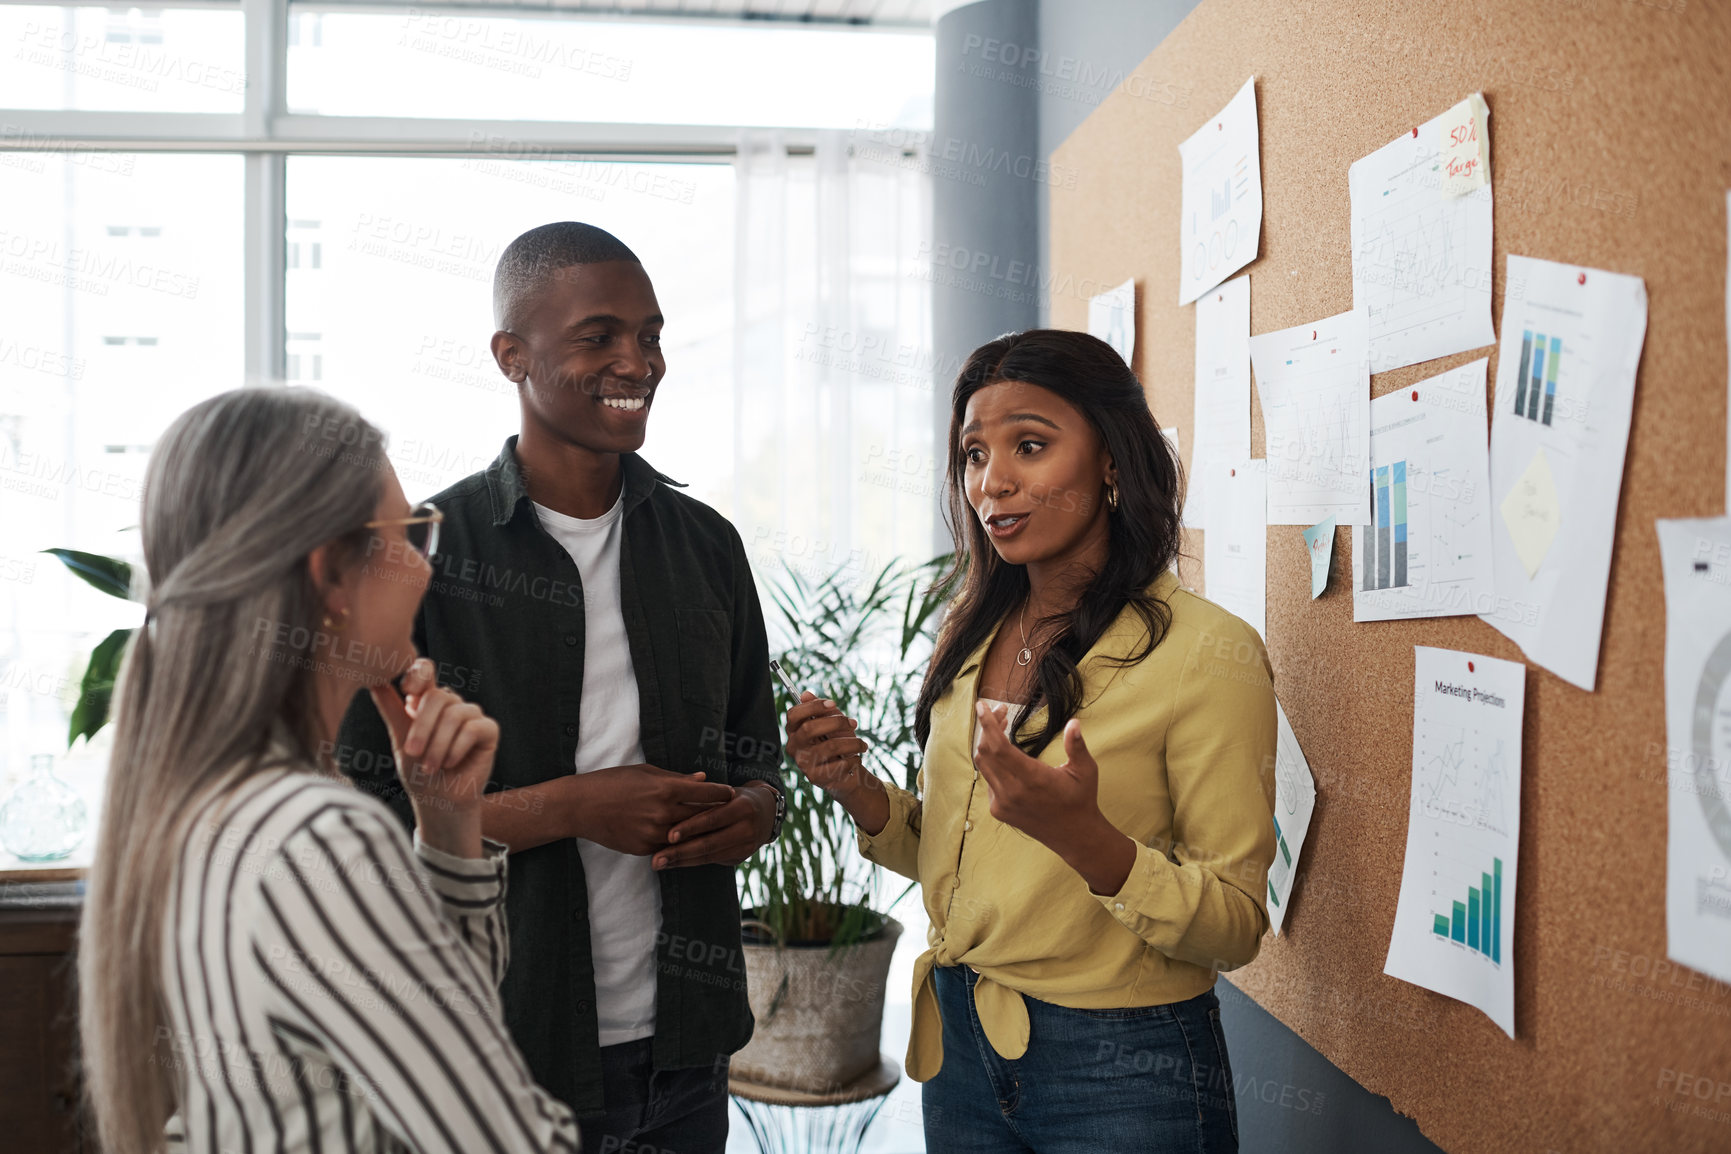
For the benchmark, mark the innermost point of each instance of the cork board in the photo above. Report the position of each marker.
(1610, 147)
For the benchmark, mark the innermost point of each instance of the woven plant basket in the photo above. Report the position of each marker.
(819, 1017)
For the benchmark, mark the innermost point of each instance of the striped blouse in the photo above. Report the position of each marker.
(331, 987)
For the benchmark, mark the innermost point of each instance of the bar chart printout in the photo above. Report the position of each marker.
(1220, 218)
(1454, 924)
(1294, 803)
(1477, 923)
(1385, 539)
(1571, 344)
(1425, 548)
(1536, 379)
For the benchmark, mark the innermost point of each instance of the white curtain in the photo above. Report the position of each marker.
(833, 440)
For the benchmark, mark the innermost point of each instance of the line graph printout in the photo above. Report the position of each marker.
(1696, 556)
(1314, 382)
(1427, 549)
(1294, 803)
(1454, 927)
(1222, 421)
(1421, 261)
(1559, 431)
(1220, 225)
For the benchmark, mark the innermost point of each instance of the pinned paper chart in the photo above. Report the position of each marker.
(1221, 202)
(1314, 382)
(1294, 803)
(1421, 261)
(1112, 318)
(1235, 542)
(1571, 342)
(1696, 556)
(1454, 925)
(1222, 432)
(1426, 551)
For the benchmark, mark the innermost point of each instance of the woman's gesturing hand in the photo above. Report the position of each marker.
(822, 742)
(1056, 805)
(444, 748)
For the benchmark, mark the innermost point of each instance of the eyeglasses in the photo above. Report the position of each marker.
(420, 527)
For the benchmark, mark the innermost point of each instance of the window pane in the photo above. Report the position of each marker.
(120, 305)
(472, 65)
(122, 59)
(396, 314)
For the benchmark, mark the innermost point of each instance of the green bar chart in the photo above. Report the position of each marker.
(1477, 922)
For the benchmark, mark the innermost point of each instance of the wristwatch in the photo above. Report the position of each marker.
(780, 811)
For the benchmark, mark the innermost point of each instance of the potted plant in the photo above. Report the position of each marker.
(817, 950)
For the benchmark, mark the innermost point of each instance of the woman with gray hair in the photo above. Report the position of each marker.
(267, 962)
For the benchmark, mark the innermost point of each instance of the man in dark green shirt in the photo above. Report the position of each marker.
(610, 625)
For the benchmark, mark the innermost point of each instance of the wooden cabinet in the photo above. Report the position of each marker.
(39, 1085)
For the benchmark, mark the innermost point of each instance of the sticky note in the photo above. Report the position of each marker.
(1319, 542)
(1466, 145)
(1531, 512)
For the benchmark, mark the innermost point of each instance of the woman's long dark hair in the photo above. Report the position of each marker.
(1143, 537)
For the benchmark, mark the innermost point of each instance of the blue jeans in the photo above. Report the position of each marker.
(1148, 1079)
(650, 1111)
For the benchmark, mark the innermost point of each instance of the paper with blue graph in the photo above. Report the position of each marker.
(1421, 261)
(1314, 384)
(1220, 222)
(1571, 343)
(1294, 803)
(1454, 928)
(1427, 549)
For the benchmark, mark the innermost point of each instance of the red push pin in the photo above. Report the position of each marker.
(1415, 133)
(1234, 473)
(1415, 394)
(1582, 279)
(1469, 667)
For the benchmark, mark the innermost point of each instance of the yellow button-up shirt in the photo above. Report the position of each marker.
(1185, 744)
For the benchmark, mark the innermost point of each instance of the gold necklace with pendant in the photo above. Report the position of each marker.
(1026, 654)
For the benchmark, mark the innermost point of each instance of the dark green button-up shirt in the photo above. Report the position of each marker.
(503, 619)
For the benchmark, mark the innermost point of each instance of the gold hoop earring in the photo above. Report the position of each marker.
(1112, 498)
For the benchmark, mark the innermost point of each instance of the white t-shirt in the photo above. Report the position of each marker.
(624, 893)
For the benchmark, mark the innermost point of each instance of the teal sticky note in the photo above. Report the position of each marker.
(1319, 543)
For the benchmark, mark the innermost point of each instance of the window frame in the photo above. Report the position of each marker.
(266, 134)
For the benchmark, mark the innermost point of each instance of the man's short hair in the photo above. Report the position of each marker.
(534, 258)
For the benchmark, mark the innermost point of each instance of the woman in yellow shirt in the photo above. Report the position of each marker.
(1083, 894)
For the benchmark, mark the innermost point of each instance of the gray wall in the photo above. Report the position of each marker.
(985, 214)
(1015, 78)
(1292, 1100)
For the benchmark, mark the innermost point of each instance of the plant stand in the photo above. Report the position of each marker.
(795, 1122)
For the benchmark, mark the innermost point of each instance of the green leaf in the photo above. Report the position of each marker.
(109, 574)
(97, 689)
